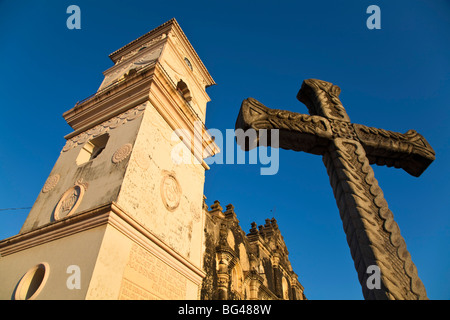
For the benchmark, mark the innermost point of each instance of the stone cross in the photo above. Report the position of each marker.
(348, 149)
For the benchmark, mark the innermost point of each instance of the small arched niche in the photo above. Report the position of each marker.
(183, 89)
(92, 149)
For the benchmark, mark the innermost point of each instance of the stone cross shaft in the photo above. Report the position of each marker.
(348, 149)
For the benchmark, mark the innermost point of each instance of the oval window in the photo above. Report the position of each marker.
(32, 282)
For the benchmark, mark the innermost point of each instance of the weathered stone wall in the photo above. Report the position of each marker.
(100, 178)
(163, 196)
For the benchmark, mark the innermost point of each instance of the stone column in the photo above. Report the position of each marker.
(223, 279)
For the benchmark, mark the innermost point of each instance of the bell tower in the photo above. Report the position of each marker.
(120, 215)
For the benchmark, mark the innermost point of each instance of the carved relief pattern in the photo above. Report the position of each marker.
(142, 159)
(106, 126)
(128, 68)
(170, 191)
(262, 117)
(372, 234)
(146, 277)
(298, 132)
(70, 200)
(322, 98)
(51, 182)
(409, 142)
(122, 153)
(147, 44)
(301, 123)
(111, 77)
(348, 150)
(342, 129)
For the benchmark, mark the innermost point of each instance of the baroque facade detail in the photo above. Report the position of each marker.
(145, 45)
(240, 266)
(104, 127)
(70, 200)
(122, 153)
(377, 222)
(170, 191)
(51, 182)
(138, 231)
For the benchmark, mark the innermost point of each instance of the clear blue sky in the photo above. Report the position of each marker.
(396, 78)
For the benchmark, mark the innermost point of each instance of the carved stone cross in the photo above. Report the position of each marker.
(348, 149)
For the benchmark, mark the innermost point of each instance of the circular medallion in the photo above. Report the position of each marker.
(51, 182)
(69, 202)
(122, 153)
(142, 159)
(342, 129)
(170, 192)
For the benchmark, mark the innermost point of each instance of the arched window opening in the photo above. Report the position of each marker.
(183, 89)
(92, 149)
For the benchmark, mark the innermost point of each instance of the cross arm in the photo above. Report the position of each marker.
(297, 131)
(348, 150)
(322, 98)
(408, 151)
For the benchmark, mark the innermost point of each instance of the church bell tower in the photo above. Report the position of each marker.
(120, 215)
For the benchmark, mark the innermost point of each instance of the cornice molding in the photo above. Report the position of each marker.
(171, 25)
(199, 62)
(108, 214)
(55, 230)
(140, 235)
(137, 42)
(110, 101)
(165, 99)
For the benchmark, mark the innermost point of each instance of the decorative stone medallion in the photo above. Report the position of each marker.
(122, 153)
(170, 191)
(69, 202)
(142, 159)
(51, 182)
(105, 127)
(342, 129)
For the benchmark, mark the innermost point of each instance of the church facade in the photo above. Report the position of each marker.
(244, 266)
(120, 218)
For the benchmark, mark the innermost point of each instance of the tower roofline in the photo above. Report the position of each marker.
(171, 24)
